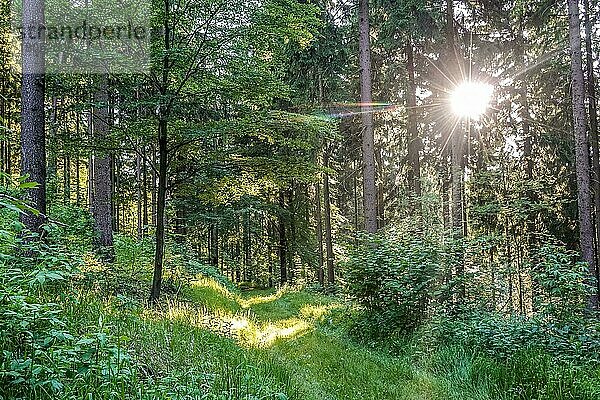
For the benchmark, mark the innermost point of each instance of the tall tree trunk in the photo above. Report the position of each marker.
(457, 162)
(145, 189)
(163, 115)
(33, 141)
(214, 245)
(319, 228)
(327, 206)
(368, 135)
(160, 210)
(592, 104)
(154, 190)
(282, 240)
(52, 152)
(101, 191)
(67, 179)
(139, 202)
(78, 161)
(586, 231)
(414, 142)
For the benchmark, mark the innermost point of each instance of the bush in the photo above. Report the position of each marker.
(394, 280)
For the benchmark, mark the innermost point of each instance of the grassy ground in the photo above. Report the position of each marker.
(288, 344)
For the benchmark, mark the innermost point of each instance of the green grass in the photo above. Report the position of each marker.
(210, 342)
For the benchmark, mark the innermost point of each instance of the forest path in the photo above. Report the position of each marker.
(303, 332)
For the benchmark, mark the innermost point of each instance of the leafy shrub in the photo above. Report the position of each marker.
(502, 337)
(393, 280)
(561, 279)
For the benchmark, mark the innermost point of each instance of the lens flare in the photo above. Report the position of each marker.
(471, 99)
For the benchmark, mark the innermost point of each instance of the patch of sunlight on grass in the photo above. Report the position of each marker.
(252, 301)
(268, 334)
(316, 312)
(241, 327)
(215, 286)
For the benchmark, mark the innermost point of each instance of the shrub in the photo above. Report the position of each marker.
(393, 280)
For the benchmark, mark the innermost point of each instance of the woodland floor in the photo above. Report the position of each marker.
(285, 344)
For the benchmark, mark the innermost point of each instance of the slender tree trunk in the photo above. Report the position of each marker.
(319, 222)
(67, 179)
(328, 239)
(145, 189)
(214, 245)
(101, 191)
(139, 202)
(52, 151)
(586, 230)
(368, 135)
(114, 169)
(282, 240)
(33, 140)
(414, 142)
(163, 114)
(78, 161)
(592, 104)
(153, 200)
(160, 210)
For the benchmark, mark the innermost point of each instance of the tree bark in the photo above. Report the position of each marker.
(586, 231)
(33, 140)
(368, 136)
(160, 210)
(101, 188)
(282, 240)
(414, 142)
(139, 184)
(327, 206)
(592, 106)
(319, 228)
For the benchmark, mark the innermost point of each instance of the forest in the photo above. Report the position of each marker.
(299, 200)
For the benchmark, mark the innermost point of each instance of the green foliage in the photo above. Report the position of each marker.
(503, 337)
(563, 281)
(208, 271)
(394, 280)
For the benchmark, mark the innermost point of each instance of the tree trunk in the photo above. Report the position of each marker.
(139, 202)
(101, 190)
(592, 104)
(33, 141)
(414, 142)
(160, 210)
(327, 206)
(145, 190)
(319, 228)
(282, 240)
(586, 231)
(368, 136)
(67, 179)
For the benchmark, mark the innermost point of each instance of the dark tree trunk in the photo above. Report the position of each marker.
(414, 142)
(214, 245)
(282, 240)
(33, 141)
(368, 135)
(319, 228)
(160, 210)
(327, 205)
(101, 190)
(592, 104)
(52, 152)
(145, 190)
(586, 230)
(139, 202)
(78, 161)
